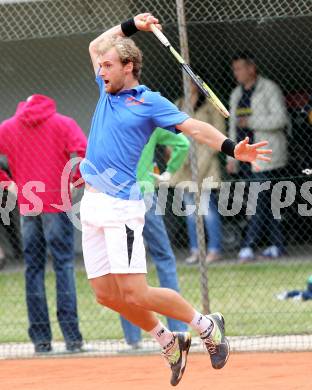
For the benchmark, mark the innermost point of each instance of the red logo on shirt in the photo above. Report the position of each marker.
(132, 101)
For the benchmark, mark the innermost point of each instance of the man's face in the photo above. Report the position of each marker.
(243, 71)
(112, 71)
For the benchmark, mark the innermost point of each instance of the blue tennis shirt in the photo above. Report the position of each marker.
(121, 126)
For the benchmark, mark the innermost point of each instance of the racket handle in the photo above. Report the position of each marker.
(160, 35)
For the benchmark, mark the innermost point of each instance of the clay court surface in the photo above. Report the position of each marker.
(267, 371)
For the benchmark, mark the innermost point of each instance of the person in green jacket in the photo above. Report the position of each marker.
(155, 233)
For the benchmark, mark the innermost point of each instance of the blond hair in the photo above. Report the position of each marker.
(127, 51)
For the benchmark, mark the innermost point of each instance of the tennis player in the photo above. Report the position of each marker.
(112, 211)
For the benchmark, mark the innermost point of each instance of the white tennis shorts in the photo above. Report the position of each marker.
(112, 240)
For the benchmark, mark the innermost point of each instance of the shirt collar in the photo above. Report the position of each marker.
(133, 91)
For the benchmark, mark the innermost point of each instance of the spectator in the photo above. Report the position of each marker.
(307, 111)
(208, 167)
(258, 110)
(154, 232)
(10, 229)
(38, 143)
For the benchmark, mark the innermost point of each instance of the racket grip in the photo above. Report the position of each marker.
(160, 35)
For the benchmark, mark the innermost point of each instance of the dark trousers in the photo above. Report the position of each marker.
(263, 220)
(53, 231)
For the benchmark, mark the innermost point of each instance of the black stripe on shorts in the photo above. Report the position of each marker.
(130, 239)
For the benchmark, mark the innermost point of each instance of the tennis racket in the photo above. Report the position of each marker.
(204, 88)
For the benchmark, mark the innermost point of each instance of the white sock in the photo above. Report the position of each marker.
(201, 323)
(161, 334)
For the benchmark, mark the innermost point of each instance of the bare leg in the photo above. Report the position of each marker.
(108, 294)
(136, 292)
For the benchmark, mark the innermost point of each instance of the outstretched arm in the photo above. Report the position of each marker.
(142, 22)
(204, 133)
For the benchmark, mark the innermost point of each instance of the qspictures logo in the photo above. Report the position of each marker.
(282, 194)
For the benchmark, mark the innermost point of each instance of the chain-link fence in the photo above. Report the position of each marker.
(252, 258)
